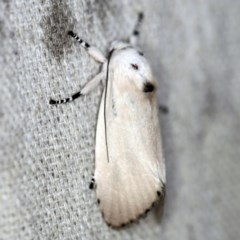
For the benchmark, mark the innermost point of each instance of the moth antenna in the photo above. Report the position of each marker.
(105, 99)
(136, 30)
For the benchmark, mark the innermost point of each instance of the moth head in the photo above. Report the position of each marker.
(118, 45)
(133, 68)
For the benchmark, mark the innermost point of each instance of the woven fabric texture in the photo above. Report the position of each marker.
(47, 152)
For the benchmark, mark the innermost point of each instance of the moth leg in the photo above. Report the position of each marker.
(92, 83)
(92, 184)
(136, 31)
(86, 89)
(163, 109)
(92, 51)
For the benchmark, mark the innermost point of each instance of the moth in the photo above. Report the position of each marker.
(129, 165)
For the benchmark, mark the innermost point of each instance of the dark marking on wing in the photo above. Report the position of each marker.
(114, 110)
(148, 87)
(147, 210)
(134, 66)
(160, 194)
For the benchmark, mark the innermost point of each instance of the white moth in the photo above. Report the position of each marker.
(129, 165)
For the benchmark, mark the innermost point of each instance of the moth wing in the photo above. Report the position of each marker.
(129, 167)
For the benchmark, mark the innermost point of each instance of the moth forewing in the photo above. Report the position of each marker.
(129, 167)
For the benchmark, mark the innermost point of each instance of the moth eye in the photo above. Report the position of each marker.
(135, 66)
